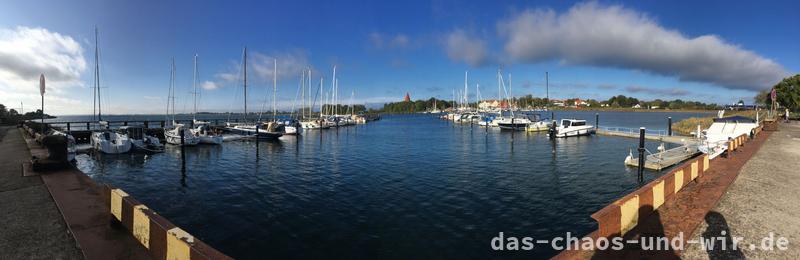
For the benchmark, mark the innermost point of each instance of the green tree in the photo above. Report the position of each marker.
(788, 92)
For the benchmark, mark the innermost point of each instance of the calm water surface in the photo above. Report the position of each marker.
(403, 187)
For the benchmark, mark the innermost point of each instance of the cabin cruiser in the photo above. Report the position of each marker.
(173, 135)
(470, 117)
(107, 141)
(520, 121)
(314, 124)
(571, 127)
(538, 126)
(270, 131)
(203, 131)
(140, 140)
(715, 138)
(291, 127)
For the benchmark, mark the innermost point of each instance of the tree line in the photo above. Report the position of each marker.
(12, 116)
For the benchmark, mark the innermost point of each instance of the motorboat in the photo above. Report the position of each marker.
(538, 126)
(314, 124)
(714, 140)
(518, 121)
(572, 127)
(72, 149)
(291, 127)
(203, 131)
(109, 142)
(173, 135)
(140, 140)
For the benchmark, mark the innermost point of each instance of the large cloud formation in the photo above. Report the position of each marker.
(614, 36)
(27, 52)
(461, 46)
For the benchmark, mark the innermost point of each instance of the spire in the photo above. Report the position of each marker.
(408, 98)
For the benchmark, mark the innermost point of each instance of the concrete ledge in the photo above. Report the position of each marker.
(162, 239)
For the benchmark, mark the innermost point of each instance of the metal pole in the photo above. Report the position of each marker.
(596, 121)
(669, 126)
(641, 154)
(183, 152)
(42, 114)
(257, 126)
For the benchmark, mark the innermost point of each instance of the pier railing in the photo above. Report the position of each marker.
(633, 131)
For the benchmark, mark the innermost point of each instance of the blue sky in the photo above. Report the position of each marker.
(711, 51)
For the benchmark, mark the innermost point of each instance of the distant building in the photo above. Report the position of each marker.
(579, 102)
(491, 104)
(558, 103)
(408, 98)
(637, 106)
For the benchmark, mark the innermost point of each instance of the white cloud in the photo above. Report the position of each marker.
(381, 41)
(463, 47)
(25, 53)
(672, 92)
(209, 85)
(615, 36)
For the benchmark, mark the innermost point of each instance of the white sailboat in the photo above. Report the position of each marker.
(105, 140)
(202, 129)
(140, 140)
(177, 134)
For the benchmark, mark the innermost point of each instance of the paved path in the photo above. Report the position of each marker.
(763, 199)
(31, 227)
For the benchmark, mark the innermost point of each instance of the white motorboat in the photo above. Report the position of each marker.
(172, 134)
(714, 140)
(313, 124)
(538, 126)
(203, 131)
(140, 140)
(107, 141)
(518, 121)
(572, 127)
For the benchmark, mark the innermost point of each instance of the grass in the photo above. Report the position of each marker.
(689, 125)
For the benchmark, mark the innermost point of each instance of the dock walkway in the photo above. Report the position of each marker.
(32, 227)
(55, 215)
(763, 199)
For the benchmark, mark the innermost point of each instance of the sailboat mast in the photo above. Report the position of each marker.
(274, 89)
(194, 87)
(547, 87)
(172, 88)
(464, 99)
(333, 89)
(244, 71)
(97, 74)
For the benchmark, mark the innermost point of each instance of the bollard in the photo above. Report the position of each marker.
(669, 126)
(641, 154)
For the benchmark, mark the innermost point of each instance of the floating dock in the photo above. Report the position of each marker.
(657, 135)
(664, 159)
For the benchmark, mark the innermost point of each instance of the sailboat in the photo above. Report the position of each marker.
(174, 131)
(289, 126)
(309, 122)
(202, 129)
(105, 140)
(252, 130)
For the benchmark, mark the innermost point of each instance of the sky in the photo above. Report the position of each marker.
(709, 51)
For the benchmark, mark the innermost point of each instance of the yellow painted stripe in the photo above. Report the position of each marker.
(694, 169)
(177, 246)
(116, 203)
(658, 194)
(706, 163)
(141, 225)
(678, 180)
(629, 214)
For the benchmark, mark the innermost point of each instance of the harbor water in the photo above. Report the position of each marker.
(407, 186)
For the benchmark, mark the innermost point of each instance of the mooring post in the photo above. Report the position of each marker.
(146, 125)
(669, 126)
(68, 130)
(183, 151)
(257, 126)
(87, 126)
(125, 123)
(641, 154)
(162, 123)
(596, 121)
